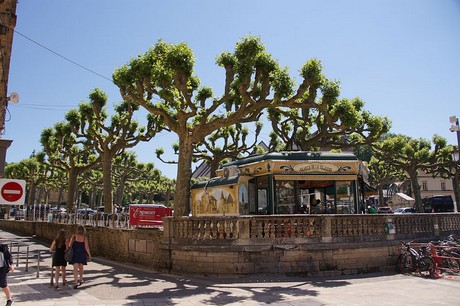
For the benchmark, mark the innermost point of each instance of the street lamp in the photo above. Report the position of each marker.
(455, 157)
(455, 128)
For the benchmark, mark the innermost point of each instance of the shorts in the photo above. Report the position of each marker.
(3, 283)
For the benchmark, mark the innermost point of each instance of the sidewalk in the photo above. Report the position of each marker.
(110, 283)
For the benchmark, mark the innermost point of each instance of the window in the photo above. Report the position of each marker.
(258, 196)
(285, 197)
(443, 185)
(424, 186)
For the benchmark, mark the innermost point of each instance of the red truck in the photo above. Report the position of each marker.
(148, 214)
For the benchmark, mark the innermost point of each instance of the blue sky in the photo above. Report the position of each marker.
(402, 57)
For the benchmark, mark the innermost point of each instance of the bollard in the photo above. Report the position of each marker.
(38, 264)
(52, 276)
(17, 257)
(27, 260)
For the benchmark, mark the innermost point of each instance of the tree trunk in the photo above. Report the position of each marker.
(150, 198)
(120, 190)
(99, 198)
(455, 184)
(107, 182)
(32, 191)
(40, 195)
(72, 186)
(381, 197)
(214, 165)
(47, 195)
(60, 196)
(167, 195)
(416, 190)
(184, 175)
(94, 194)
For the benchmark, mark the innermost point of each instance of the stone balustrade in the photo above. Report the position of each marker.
(325, 227)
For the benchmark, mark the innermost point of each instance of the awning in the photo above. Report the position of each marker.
(405, 196)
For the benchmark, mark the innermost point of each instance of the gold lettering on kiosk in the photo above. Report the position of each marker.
(316, 167)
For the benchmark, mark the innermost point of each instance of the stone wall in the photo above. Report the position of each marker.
(286, 258)
(137, 246)
(239, 246)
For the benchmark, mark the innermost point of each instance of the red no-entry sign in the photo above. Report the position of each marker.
(12, 191)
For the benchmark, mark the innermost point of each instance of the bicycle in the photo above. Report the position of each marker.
(446, 254)
(411, 260)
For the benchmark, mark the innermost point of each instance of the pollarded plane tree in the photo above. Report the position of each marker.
(382, 174)
(125, 169)
(30, 170)
(58, 180)
(90, 183)
(333, 123)
(64, 152)
(149, 184)
(407, 154)
(162, 81)
(230, 143)
(128, 172)
(109, 138)
(226, 144)
(443, 164)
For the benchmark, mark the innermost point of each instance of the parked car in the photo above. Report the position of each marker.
(86, 212)
(438, 203)
(61, 211)
(404, 210)
(384, 210)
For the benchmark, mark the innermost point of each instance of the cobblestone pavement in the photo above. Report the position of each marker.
(110, 283)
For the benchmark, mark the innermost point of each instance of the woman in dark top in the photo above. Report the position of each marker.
(59, 246)
(81, 254)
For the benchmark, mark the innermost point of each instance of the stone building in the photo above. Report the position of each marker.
(7, 24)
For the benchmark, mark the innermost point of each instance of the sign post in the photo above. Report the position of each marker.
(12, 192)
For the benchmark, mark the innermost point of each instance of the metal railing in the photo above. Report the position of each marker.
(117, 220)
(24, 257)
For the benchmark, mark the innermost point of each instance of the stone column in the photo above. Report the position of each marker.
(4, 145)
(326, 229)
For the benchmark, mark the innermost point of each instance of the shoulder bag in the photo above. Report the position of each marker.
(69, 253)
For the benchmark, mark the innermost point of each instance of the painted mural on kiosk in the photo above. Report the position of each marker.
(220, 200)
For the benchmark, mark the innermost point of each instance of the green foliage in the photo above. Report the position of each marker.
(179, 58)
(282, 83)
(312, 72)
(225, 59)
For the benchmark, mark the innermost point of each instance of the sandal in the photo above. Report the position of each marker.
(56, 287)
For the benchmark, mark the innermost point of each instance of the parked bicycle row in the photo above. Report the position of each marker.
(430, 259)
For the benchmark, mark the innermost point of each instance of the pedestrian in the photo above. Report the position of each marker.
(58, 247)
(81, 254)
(6, 265)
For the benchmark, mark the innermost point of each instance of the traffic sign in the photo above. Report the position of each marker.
(12, 192)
